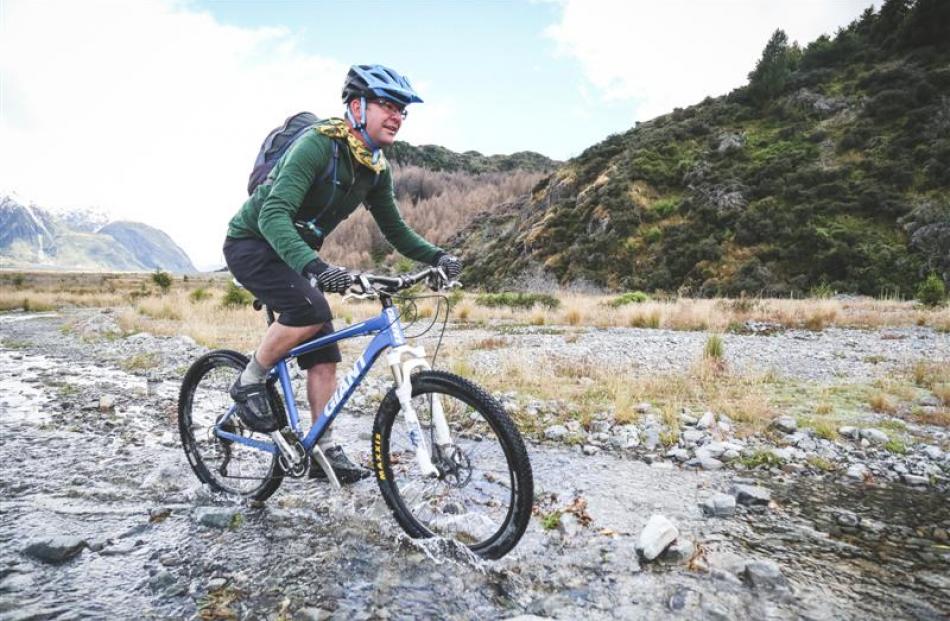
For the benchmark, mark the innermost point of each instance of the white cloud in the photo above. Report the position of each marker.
(150, 110)
(660, 55)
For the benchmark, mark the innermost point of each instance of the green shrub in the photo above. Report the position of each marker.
(517, 299)
(162, 279)
(932, 291)
(630, 297)
(236, 296)
(200, 294)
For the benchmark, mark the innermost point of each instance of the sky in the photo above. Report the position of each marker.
(154, 110)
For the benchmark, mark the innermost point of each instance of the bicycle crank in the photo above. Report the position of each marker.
(293, 456)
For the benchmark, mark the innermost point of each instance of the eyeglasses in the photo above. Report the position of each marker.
(391, 108)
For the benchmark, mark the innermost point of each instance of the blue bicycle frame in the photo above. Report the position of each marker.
(388, 332)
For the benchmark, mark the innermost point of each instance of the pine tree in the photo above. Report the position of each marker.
(772, 70)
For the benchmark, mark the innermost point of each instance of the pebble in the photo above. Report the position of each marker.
(319, 614)
(706, 421)
(590, 449)
(692, 436)
(933, 452)
(710, 463)
(658, 533)
(849, 432)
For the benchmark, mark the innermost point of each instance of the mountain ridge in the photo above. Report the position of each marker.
(33, 237)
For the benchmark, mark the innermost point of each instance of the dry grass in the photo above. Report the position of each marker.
(47, 290)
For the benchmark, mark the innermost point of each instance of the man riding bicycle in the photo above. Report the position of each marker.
(273, 241)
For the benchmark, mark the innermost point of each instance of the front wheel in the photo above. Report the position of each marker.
(483, 495)
(223, 464)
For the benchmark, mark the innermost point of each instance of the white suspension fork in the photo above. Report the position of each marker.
(401, 373)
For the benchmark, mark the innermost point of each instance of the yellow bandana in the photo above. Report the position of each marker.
(337, 128)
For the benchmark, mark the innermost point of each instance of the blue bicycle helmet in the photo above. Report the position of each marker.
(367, 81)
(378, 81)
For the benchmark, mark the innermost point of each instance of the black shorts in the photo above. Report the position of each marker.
(262, 272)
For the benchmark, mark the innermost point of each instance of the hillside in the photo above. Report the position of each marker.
(32, 237)
(830, 168)
(437, 158)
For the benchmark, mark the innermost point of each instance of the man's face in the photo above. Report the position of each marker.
(383, 120)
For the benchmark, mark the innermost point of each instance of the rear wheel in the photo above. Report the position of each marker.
(224, 465)
(483, 495)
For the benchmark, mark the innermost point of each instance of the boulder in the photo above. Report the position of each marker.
(764, 576)
(720, 505)
(874, 436)
(54, 549)
(785, 424)
(556, 432)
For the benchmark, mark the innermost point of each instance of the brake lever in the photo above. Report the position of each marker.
(356, 295)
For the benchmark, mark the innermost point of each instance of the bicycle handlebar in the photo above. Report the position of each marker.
(367, 283)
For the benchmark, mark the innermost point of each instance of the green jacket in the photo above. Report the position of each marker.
(289, 194)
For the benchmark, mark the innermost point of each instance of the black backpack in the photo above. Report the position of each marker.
(279, 142)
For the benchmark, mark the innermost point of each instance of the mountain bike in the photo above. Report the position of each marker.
(448, 460)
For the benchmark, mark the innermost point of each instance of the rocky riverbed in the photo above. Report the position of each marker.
(101, 517)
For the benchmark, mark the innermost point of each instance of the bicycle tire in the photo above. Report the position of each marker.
(227, 467)
(475, 418)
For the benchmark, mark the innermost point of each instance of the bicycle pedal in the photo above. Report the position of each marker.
(324, 464)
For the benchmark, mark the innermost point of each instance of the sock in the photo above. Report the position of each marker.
(254, 373)
(326, 440)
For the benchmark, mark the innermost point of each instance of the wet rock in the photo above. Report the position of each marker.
(216, 517)
(312, 614)
(710, 463)
(658, 533)
(933, 452)
(651, 438)
(720, 505)
(752, 495)
(556, 432)
(730, 455)
(847, 518)
(874, 436)
(161, 581)
(857, 471)
(786, 424)
(54, 549)
(119, 549)
(106, 403)
(590, 449)
(764, 575)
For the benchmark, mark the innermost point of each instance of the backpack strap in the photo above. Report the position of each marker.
(328, 172)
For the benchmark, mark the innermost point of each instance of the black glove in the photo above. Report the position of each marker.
(451, 265)
(329, 278)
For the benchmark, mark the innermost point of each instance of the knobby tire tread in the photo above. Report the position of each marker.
(512, 445)
(201, 367)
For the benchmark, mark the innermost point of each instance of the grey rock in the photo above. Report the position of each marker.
(874, 436)
(651, 438)
(692, 436)
(556, 432)
(161, 580)
(847, 518)
(680, 455)
(706, 421)
(658, 533)
(720, 505)
(54, 549)
(929, 401)
(764, 575)
(857, 471)
(680, 551)
(643, 408)
(713, 449)
(752, 495)
(933, 452)
(917, 481)
(852, 433)
(710, 463)
(216, 517)
(589, 449)
(106, 403)
(319, 614)
(730, 141)
(730, 455)
(785, 424)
